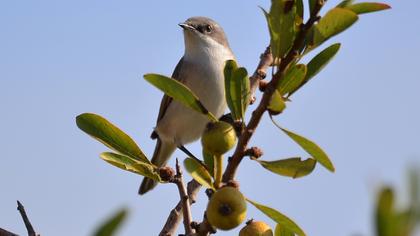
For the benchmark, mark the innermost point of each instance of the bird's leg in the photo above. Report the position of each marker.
(186, 151)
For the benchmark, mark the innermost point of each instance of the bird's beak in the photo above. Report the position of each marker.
(186, 26)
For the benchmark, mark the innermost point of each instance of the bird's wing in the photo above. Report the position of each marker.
(166, 100)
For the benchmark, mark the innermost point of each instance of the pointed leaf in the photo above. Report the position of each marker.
(282, 231)
(334, 22)
(198, 172)
(179, 92)
(318, 63)
(241, 75)
(230, 68)
(129, 164)
(111, 225)
(237, 89)
(321, 60)
(240, 90)
(281, 23)
(293, 78)
(310, 147)
(110, 135)
(279, 218)
(367, 7)
(292, 167)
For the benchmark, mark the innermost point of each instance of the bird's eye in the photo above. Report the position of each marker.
(209, 28)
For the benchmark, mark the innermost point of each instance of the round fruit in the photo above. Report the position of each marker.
(218, 137)
(226, 208)
(256, 228)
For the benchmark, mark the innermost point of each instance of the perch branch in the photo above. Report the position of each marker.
(175, 215)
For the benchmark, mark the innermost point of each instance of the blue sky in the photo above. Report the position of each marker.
(62, 58)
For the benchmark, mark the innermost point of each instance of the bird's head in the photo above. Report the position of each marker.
(203, 33)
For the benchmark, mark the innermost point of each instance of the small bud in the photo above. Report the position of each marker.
(262, 85)
(256, 152)
(166, 173)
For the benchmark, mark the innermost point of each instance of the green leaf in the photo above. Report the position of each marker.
(292, 167)
(110, 226)
(230, 68)
(367, 7)
(292, 79)
(179, 92)
(129, 164)
(237, 89)
(209, 161)
(385, 215)
(276, 104)
(334, 22)
(279, 218)
(198, 172)
(318, 63)
(110, 135)
(281, 25)
(310, 147)
(241, 75)
(321, 60)
(282, 231)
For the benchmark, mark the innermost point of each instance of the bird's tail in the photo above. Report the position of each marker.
(161, 155)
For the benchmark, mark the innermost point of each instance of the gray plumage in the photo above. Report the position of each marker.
(201, 70)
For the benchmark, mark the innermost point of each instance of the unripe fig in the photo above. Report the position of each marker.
(226, 208)
(256, 228)
(218, 138)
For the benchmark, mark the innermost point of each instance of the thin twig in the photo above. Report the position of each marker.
(28, 225)
(188, 196)
(266, 60)
(204, 228)
(271, 87)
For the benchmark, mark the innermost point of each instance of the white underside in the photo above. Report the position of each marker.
(181, 125)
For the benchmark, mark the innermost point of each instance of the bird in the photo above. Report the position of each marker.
(201, 70)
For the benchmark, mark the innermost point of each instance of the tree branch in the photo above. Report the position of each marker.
(246, 135)
(175, 215)
(204, 228)
(28, 225)
(266, 60)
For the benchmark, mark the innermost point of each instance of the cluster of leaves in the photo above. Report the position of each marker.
(289, 36)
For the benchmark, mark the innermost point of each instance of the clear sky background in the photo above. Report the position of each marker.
(62, 58)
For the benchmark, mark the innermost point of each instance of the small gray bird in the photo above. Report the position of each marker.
(201, 70)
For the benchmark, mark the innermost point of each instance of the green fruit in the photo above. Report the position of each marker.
(256, 228)
(226, 208)
(218, 138)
